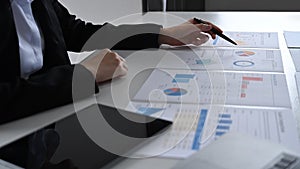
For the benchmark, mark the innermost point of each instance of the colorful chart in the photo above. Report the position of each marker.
(245, 53)
(199, 130)
(183, 78)
(204, 61)
(175, 92)
(239, 42)
(243, 63)
(224, 124)
(149, 110)
(246, 81)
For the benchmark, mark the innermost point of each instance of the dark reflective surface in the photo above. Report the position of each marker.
(66, 145)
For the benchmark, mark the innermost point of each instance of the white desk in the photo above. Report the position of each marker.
(229, 21)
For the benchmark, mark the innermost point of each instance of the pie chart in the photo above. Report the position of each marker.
(175, 92)
(245, 53)
(243, 63)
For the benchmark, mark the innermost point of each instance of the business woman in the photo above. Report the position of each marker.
(35, 72)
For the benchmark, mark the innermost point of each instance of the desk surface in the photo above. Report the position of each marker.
(229, 21)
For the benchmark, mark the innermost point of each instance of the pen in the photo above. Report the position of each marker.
(216, 32)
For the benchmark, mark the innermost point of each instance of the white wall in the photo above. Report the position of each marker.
(252, 5)
(99, 11)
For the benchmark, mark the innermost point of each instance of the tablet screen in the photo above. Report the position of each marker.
(73, 141)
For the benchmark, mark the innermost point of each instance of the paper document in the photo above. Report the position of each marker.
(195, 127)
(295, 53)
(76, 58)
(224, 59)
(248, 39)
(292, 39)
(297, 76)
(186, 86)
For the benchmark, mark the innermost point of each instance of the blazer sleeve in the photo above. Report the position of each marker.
(77, 33)
(21, 98)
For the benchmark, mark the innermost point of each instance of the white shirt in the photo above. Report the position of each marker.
(30, 42)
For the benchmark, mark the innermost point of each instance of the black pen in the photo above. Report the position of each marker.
(215, 31)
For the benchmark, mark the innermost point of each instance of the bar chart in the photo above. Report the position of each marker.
(195, 127)
(191, 86)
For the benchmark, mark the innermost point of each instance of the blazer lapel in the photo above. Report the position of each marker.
(55, 50)
(9, 45)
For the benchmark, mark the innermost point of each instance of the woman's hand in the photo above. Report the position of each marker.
(187, 33)
(106, 65)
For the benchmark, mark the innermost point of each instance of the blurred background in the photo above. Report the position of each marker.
(107, 10)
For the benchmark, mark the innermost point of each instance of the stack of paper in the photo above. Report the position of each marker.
(247, 39)
(195, 126)
(211, 90)
(292, 39)
(246, 59)
(194, 87)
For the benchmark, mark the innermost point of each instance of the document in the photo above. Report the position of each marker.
(292, 39)
(195, 127)
(295, 53)
(245, 59)
(76, 58)
(297, 76)
(247, 39)
(205, 87)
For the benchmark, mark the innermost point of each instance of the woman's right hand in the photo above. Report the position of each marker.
(106, 65)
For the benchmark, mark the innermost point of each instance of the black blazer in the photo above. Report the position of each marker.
(62, 32)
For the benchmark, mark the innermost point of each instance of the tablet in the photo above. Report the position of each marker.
(73, 143)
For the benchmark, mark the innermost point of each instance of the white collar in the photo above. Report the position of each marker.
(22, 2)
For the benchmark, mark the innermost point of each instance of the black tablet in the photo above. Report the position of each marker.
(87, 139)
(74, 141)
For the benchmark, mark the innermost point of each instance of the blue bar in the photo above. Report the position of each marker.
(216, 40)
(223, 127)
(181, 81)
(225, 121)
(199, 62)
(184, 76)
(220, 133)
(149, 111)
(225, 115)
(202, 118)
(204, 61)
